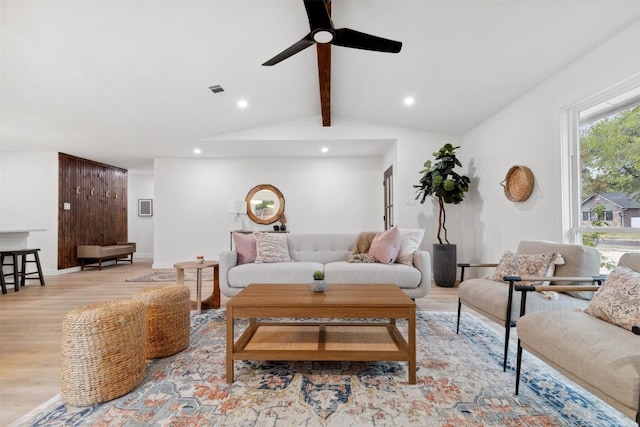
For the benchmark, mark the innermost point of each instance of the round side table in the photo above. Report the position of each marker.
(212, 301)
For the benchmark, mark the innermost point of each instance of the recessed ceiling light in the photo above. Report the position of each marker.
(197, 150)
(324, 149)
(409, 100)
(243, 103)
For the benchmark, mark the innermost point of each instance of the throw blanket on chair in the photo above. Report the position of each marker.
(360, 249)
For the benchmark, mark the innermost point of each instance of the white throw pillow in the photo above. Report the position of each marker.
(272, 247)
(410, 240)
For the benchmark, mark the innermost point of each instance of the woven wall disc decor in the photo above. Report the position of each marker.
(518, 184)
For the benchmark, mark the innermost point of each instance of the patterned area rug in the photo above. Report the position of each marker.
(460, 383)
(170, 276)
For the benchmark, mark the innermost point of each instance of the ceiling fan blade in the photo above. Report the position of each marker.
(319, 17)
(351, 38)
(291, 50)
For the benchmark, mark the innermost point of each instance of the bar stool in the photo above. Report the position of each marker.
(13, 257)
(19, 269)
(36, 260)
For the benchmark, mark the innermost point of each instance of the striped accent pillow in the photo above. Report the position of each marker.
(272, 247)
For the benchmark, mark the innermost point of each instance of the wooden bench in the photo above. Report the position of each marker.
(121, 251)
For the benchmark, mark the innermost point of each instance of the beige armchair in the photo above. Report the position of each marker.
(603, 356)
(498, 300)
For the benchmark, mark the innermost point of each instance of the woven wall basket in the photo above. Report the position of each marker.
(518, 184)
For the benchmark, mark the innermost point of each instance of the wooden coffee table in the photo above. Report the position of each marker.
(322, 340)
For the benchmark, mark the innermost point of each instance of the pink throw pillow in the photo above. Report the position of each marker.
(246, 247)
(386, 246)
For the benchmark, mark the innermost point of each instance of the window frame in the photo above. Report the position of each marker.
(570, 160)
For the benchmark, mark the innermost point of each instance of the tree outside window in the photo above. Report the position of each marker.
(610, 181)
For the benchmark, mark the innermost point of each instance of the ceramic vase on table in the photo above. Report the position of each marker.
(318, 285)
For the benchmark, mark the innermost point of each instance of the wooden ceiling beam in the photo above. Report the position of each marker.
(324, 77)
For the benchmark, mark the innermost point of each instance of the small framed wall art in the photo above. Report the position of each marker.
(145, 207)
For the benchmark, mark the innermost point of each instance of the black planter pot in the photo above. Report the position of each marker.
(444, 265)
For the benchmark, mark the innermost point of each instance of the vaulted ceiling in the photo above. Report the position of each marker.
(125, 81)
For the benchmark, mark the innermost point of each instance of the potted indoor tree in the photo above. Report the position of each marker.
(440, 180)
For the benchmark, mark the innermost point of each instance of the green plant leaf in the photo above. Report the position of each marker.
(440, 180)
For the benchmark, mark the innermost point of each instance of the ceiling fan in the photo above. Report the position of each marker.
(323, 34)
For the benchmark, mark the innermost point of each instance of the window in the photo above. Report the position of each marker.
(603, 194)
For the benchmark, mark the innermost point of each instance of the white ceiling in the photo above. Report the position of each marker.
(124, 81)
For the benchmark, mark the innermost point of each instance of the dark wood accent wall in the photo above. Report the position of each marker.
(97, 214)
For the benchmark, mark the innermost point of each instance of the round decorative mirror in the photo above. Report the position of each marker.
(265, 204)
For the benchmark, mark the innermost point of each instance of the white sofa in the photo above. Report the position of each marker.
(329, 253)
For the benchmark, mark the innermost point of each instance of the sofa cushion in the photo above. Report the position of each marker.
(245, 246)
(344, 272)
(386, 246)
(578, 261)
(490, 298)
(322, 248)
(618, 301)
(272, 247)
(527, 265)
(602, 355)
(291, 272)
(631, 260)
(410, 240)
(97, 251)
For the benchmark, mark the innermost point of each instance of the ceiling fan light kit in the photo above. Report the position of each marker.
(323, 36)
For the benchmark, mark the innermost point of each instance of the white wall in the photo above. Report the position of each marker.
(192, 198)
(140, 228)
(414, 148)
(29, 200)
(329, 194)
(529, 133)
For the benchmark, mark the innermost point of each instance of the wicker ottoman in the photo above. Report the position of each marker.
(168, 319)
(102, 351)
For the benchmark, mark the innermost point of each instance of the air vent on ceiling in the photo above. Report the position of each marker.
(216, 89)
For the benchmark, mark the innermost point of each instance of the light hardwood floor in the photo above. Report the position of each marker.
(31, 327)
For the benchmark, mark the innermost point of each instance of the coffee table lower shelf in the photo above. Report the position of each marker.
(323, 342)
